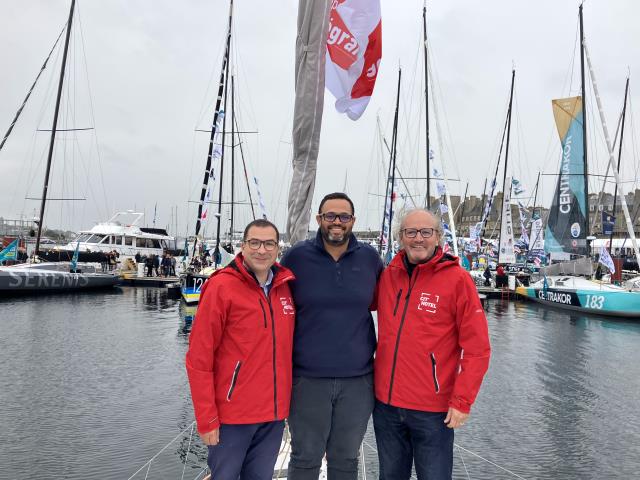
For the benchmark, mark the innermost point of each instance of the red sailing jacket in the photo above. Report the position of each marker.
(433, 341)
(240, 349)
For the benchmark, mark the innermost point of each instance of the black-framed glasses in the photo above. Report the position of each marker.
(413, 232)
(254, 244)
(331, 217)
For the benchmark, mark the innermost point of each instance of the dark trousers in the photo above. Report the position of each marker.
(246, 452)
(328, 415)
(405, 436)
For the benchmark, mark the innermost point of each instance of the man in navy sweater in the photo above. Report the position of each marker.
(334, 340)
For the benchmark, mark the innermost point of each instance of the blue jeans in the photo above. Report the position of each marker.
(328, 415)
(405, 436)
(246, 452)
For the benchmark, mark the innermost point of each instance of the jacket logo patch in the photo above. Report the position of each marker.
(428, 302)
(287, 306)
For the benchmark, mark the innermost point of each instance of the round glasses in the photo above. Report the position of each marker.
(412, 232)
(331, 217)
(254, 244)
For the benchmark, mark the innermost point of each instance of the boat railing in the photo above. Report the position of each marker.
(194, 460)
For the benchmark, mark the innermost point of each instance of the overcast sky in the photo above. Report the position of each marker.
(151, 67)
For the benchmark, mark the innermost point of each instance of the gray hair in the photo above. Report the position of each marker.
(399, 220)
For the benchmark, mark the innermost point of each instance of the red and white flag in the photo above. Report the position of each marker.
(354, 51)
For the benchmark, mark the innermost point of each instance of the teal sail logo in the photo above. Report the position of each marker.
(567, 224)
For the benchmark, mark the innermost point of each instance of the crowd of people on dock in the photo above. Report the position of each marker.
(296, 340)
(157, 266)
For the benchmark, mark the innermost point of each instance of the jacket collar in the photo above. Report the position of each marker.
(437, 261)
(237, 267)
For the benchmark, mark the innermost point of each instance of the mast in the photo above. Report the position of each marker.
(221, 89)
(624, 112)
(506, 152)
(426, 101)
(45, 188)
(233, 163)
(605, 130)
(584, 123)
(535, 195)
(216, 254)
(388, 200)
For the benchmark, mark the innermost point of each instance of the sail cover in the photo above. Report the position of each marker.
(566, 228)
(354, 51)
(313, 25)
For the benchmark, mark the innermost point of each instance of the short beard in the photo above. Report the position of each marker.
(335, 243)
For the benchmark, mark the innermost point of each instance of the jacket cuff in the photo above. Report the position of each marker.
(210, 426)
(460, 404)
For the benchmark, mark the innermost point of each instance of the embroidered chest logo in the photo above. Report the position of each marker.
(428, 302)
(287, 306)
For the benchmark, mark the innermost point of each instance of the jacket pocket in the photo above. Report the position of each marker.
(434, 372)
(234, 380)
(395, 309)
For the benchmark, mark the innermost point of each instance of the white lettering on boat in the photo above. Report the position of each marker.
(47, 280)
(565, 193)
(556, 297)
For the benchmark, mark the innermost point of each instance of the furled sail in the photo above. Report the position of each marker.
(313, 25)
(567, 224)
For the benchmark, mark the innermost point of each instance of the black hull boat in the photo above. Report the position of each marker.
(52, 277)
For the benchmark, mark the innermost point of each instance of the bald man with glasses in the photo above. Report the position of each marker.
(332, 394)
(433, 352)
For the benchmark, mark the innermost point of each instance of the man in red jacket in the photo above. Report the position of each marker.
(239, 359)
(433, 352)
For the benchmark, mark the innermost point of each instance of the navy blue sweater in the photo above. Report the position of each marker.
(334, 334)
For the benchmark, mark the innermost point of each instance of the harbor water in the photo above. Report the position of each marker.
(93, 385)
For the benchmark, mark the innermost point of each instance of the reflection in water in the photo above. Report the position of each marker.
(187, 314)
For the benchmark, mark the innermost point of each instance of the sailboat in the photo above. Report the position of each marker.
(567, 284)
(52, 276)
(197, 273)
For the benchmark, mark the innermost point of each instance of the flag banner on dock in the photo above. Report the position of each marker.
(74, 259)
(10, 252)
(506, 253)
(354, 51)
(606, 260)
(608, 222)
(518, 187)
(524, 237)
(566, 227)
(537, 234)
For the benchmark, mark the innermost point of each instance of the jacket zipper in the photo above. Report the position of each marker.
(395, 309)
(404, 314)
(234, 379)
(275, 382)
(434, 372)
(264, 314)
